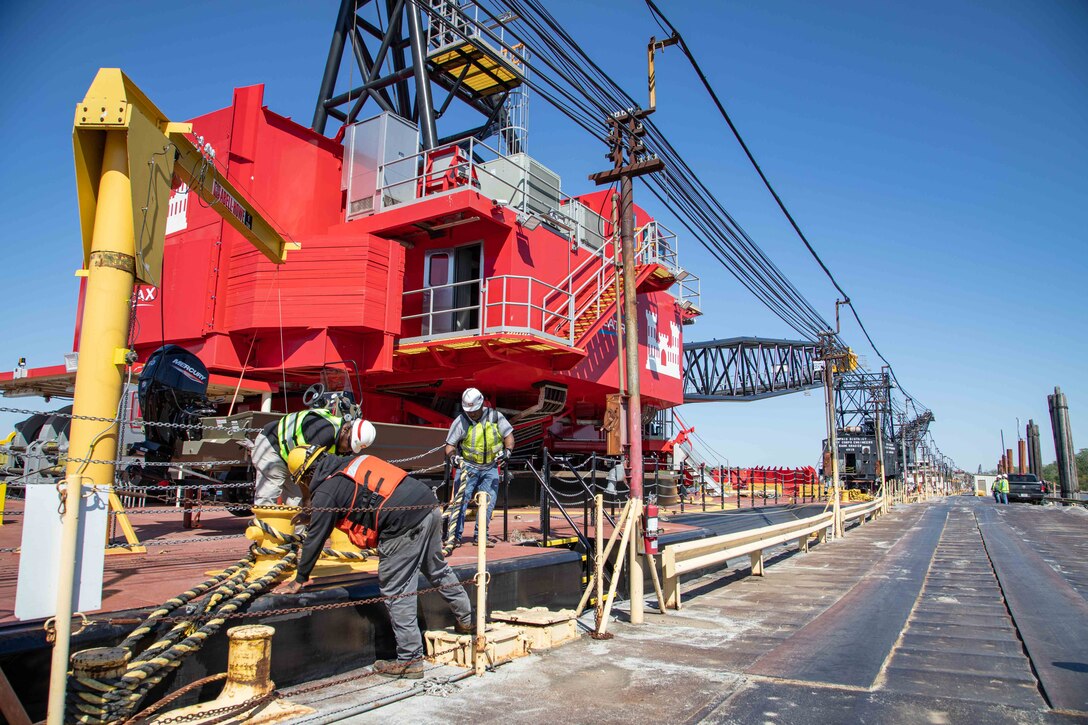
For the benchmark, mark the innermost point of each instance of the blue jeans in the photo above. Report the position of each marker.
(1002, 497)
(477, 479)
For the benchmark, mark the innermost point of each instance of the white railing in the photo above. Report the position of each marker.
(507, 304)
(656, 244)
(516, 182)
(863, 511)
(678, 559)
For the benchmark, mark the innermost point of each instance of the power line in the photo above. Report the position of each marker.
(658, 15)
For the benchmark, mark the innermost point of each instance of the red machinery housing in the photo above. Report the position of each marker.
(416, 301)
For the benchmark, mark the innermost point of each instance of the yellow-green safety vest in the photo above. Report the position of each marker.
(289, 431)
(483, 441)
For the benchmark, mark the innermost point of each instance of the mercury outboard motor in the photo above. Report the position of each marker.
(173, 388)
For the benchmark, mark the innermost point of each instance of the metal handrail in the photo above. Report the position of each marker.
(653, 243)
(547, 315)
(581, 481)
(546, 488)
(598, 280)
(496, 292)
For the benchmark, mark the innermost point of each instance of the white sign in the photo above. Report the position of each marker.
(39, 557)
(177, 218)
(662, 351)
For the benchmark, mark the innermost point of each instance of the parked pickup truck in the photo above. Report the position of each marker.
(1026, 487)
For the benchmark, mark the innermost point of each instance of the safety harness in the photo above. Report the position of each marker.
(375, 480)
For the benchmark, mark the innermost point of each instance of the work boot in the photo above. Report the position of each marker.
(396, 668)
(464, 628)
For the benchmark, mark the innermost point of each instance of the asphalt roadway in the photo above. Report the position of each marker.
(956, 610)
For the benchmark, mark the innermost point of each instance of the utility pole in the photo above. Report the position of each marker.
(878, 414)
(832, 449)
(830, 354)
(627, 154)
(903, 440)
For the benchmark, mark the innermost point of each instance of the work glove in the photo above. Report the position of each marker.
(457, 461)
(504, 454)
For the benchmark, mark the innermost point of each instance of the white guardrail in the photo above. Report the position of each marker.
(864, 512)
(688, 556)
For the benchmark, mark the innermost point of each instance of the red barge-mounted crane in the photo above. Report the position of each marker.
(425, 267)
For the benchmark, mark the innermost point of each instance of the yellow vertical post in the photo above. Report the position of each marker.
(598, 560)
(102, 347)
(480, 659)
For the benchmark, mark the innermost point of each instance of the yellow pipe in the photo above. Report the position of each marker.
(99, 378)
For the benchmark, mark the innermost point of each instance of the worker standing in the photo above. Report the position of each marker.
(478, 440)
(1003, 488)
(379, 504)
(314, 427)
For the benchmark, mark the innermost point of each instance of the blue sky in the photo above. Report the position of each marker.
(934, 152)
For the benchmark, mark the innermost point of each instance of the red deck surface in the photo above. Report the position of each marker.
(145, 580)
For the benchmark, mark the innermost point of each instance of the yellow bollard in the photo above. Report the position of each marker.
(249, 663)
(274, 527)
(249, 667)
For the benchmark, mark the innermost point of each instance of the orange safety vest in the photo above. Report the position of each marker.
(379, 479)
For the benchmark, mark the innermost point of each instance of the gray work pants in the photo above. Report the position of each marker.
(273, 478)
(401, 561)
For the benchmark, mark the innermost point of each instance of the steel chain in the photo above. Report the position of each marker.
(229, 711)
(306, 689)
(287, 610)
(138, 510)
(102, 419)
(150, 464)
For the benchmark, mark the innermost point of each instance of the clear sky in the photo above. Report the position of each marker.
(936, 153)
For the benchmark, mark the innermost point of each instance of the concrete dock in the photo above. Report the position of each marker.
(956, 610)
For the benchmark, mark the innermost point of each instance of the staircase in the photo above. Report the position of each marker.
(592, 286)
(594, 313)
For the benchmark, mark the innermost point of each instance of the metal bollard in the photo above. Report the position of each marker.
(100, 663)
(249, 663)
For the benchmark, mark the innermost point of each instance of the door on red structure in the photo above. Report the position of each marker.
(451, 298)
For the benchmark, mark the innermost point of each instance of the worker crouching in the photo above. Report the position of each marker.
(315, 427)
(379, 504)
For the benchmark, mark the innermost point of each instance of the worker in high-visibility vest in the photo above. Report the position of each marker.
(478, 440)
(379, 505)
(1002, 487)
(314, 427)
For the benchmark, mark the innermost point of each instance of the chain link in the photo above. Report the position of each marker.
(102, 419)
(284, 610)
(149, 464)
(249, 507)
(230, 711)
(306, 689)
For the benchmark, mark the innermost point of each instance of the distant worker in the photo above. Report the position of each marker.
(315, 427)
(478, 440)
(400, 515)
(1002, 486)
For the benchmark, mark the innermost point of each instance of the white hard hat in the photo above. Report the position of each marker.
(472, 400)
(362, 435)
